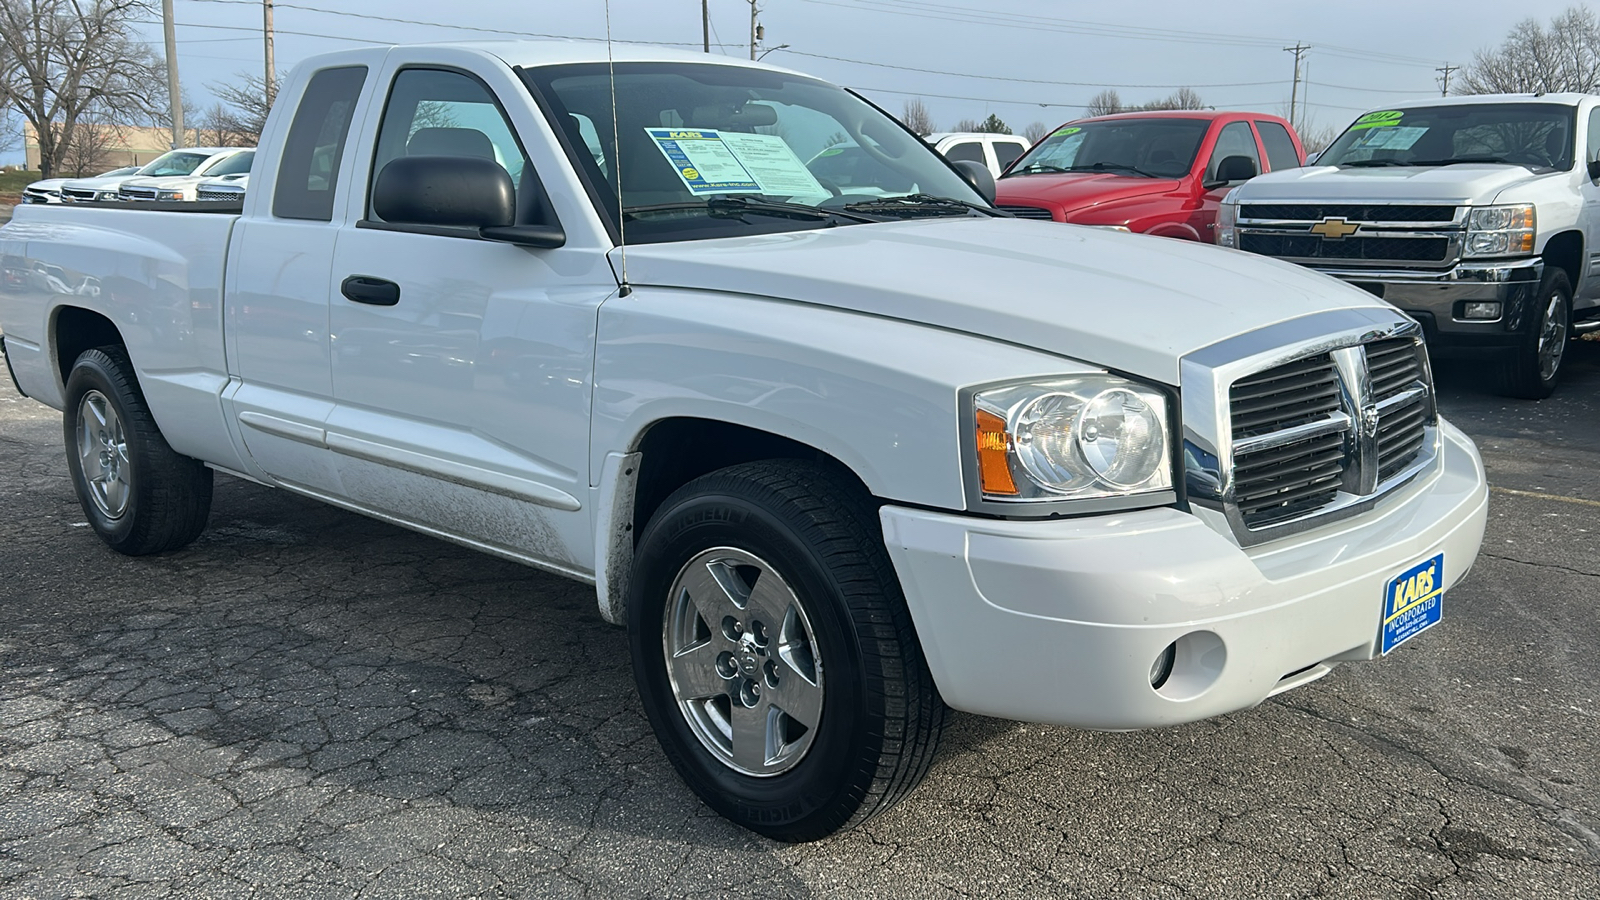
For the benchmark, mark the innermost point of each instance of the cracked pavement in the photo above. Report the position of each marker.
(307, 703)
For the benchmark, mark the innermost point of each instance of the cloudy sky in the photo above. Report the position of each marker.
(1021, 59)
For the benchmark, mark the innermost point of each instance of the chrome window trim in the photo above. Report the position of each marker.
(1207, 377)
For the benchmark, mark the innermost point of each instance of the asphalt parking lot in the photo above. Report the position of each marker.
(308, 703)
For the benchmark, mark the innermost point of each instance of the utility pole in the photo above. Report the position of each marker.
(1298, 50)
(705, 22)
(1444, 82)
(753, 27)
(174, 95)
(266, 37)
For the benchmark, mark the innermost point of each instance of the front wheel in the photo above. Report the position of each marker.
(774, 652)
(1534, 366)
(139, 494)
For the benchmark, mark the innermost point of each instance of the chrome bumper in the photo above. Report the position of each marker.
(1436, 298)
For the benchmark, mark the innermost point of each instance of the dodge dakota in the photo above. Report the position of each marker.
(839, 457)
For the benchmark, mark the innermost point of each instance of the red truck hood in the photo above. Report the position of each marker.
(1076, 190)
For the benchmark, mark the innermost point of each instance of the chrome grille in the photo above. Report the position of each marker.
(1327, 431)
(1365, 212)
(136, 193)
(1029, 212)
(1400, 394)
(1279, 479)
(1366, 249)
(218, 193)
(77, 194)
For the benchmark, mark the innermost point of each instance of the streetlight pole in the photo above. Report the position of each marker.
(271, 84)
(174, 94)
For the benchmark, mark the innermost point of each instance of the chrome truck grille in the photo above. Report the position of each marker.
(1354, 234)
(136, 193)
(208, 192)
(1306, 434)
(77, 195)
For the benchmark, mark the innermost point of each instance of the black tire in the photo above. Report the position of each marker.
(1527, 372)
(162, 498)
(880, 713)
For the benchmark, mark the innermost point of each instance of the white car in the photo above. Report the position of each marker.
(223, 187)
(173, 162)
(994, 151)
(49, 190)
(234, 161)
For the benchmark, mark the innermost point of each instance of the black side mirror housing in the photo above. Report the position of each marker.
(461, 191)
(1594, 170)
(1234, 169)
(978, 175)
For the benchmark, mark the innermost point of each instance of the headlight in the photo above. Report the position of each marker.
(1501, 231)
(106, 195)
(1083, 437)
(1227, 220)
(169, 195)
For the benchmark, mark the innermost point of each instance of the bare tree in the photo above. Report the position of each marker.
(1564, 58)
(1108, 102)
(89, 152)
(1105, 103)
(968, 125)
(59, 58)
(10, 134)
(244, 106)
(1035, 131)
(917, 118)
(1315, 137)
(217, 127)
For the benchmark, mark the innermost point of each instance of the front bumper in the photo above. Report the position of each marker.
(1435, 299)
(1060, 621)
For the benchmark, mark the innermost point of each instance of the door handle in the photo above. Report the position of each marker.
(376, 291)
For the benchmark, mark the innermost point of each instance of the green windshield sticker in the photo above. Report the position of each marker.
(831, 151)
(1065, 131)
(1382, 119)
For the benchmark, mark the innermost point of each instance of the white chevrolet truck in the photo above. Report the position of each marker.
(838, 457)
(1478, 216)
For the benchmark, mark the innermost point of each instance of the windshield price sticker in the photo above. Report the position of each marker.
(1064, 132)
(1381, 119)
(1413, 602)
(1390, 138)
(724, 162)
(703, 162)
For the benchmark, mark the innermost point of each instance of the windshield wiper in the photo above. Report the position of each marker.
(1372, 162)
(1462, 159)
(919, 205)
(736, 207)
(1110, 166)
(1031, 168)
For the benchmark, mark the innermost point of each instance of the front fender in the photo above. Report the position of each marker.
(877, 394)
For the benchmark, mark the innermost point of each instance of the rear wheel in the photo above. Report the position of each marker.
(139, 495)
(1534, 366)
(774, 653)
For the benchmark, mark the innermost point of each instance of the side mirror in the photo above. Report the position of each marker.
(978, 175)
(445, 190)
(1594, 170)
(1311, 158)
(1234, 169)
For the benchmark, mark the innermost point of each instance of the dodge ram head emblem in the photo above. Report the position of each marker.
(1369, 421)
(1334, 228)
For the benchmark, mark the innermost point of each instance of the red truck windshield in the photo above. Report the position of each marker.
(1153, 148)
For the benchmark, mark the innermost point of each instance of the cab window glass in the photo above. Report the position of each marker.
(1280, 147)
(1235, 140)
(971, 151)
(433, 112)
(1006, 152)
(309, 172)
(1594, 133)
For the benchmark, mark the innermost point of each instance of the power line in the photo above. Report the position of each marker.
(863, 62)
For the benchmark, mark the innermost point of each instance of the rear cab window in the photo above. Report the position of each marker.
(308, 175)
(1281, 153)
(969, 151)
(1006, 152)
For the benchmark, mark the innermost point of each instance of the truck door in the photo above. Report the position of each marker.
(1589, 291)
(462, 367)
(277, 299)
(1234, 139)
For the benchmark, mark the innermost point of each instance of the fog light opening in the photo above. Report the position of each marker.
(1196, 661)
(1481, 310)
(1161, 669)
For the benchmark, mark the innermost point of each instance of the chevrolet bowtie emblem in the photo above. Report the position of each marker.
(1334, 229)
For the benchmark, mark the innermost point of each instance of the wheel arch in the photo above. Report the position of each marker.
(1565, 251)
(74, 329)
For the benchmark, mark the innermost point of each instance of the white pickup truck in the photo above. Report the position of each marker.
(837, 458)
(1479, 216)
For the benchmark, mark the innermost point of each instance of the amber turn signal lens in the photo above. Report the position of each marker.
(994, 464)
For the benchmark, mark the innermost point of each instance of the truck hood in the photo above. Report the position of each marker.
(1128, 302)
(97, 184)
(1078, 189)
(1459, 184)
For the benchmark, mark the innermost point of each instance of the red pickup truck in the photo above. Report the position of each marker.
(1160, 173)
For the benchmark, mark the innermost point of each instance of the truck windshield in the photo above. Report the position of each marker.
(237, 164)
(1147, 148)
(711, 150)
(174, 163)
(1537, 135)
